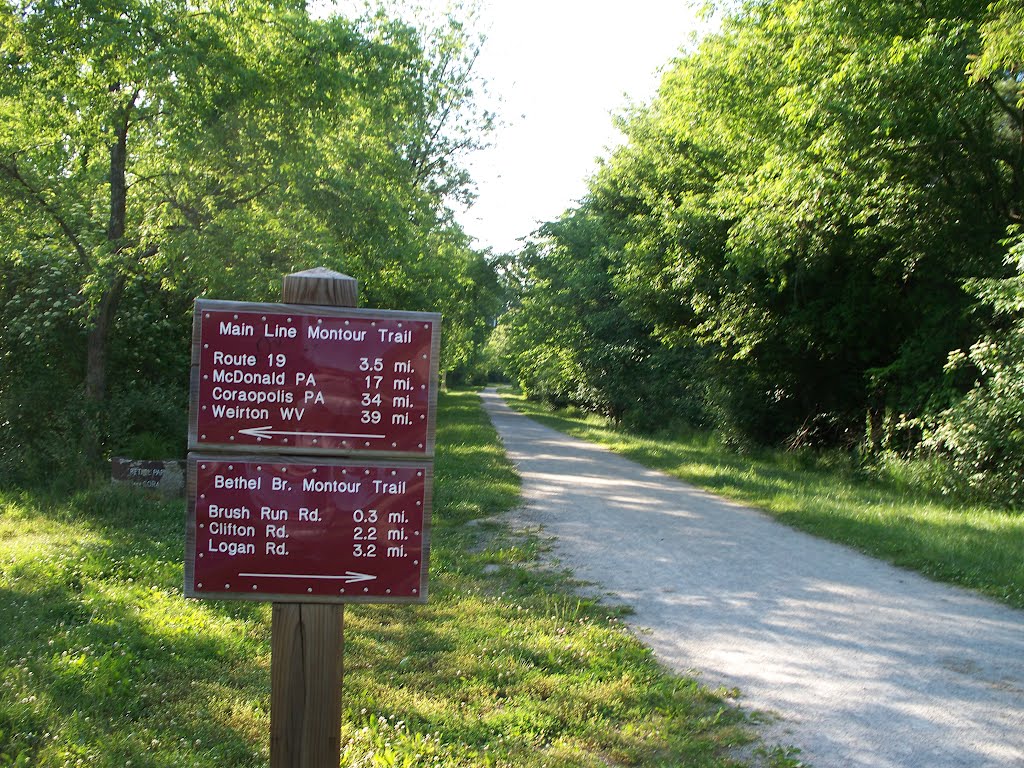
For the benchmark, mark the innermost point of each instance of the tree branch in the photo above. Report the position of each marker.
(1014, 114)
(10, 170)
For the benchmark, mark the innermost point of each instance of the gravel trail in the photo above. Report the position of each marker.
(865, 665)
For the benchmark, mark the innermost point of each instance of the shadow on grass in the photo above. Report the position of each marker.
(88, 677)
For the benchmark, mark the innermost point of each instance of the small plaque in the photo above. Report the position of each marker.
(165, 477)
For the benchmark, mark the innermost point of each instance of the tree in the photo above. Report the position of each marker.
(213, 147)
(804, 199)
(568, 338)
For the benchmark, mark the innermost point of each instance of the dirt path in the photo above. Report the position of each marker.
(865, 664)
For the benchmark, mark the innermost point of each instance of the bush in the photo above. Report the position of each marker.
(148, 421)
(981, 438)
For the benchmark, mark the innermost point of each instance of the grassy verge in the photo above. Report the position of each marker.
(971, 545)
(104, 664)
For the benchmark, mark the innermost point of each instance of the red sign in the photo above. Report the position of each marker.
(299, 379)
(294, 530)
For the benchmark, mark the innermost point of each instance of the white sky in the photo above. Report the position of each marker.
(562, 69)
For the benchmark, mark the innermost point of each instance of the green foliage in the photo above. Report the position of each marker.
(40, 374)
(818, 238)
(981, 438)
(795, 215)
(1002, 50)
(152, 152)
(569, 339)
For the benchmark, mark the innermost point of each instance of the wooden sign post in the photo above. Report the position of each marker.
(307, 640)
(275, 388)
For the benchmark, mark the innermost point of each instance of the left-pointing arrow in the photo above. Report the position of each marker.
(266, 433)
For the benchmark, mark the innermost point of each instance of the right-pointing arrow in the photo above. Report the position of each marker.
(351, 577)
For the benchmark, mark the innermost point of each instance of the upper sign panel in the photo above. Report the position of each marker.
(287, 378)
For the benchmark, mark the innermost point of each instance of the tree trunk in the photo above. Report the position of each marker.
(98, 338)
(96, 355)
(98, 341)
(876, 428)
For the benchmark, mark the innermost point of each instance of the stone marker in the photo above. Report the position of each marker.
(165, 476)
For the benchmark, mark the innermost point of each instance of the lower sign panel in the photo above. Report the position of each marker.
(290, 530)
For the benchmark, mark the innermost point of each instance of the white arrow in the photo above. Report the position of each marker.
(350, 577)
(264, 433)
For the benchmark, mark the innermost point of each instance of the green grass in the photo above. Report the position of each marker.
(972, 545)
(104, 664)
